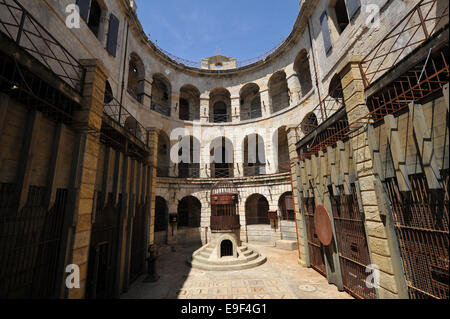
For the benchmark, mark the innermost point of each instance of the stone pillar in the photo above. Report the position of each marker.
(175, 105)
(294, 86)
(151, 189)
(84, 179)
(204, 108)
(235, 109)
(380, 252)
(265, 102)
(147, 99)
(293, 138)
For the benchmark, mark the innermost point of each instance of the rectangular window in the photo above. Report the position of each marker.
(84, 6)
(113, 32)
(325, 32)
(352, 7)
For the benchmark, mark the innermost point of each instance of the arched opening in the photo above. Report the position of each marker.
(224, 201)
(161, 93)
(301, 67)
(278, 92)
(309, 123)
(220, 106)
(287, 214)
(163, 158)
(282, 150)
(132, 125)
(226, 249)
(254, 155)
(189, 103)
(161, 214)
(136, 77)
(250, 101)
(286, 206)
(109, 96)
(189, 156)
(335, 89)
(257, 210)
(189, 212)
(222, 158)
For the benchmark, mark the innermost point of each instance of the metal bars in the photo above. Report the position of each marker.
(421, 223)
(352, 244)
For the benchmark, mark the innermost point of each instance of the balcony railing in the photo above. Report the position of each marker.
(225, 222)
(251, 115)
(412, 30)
(221, 118)
(161, 109)
(254, 169)
(19, 25)
(119, 114)
(188, 170)
(222, 170)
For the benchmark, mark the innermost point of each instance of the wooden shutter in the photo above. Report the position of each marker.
(84, 6)
(352, 7)
(113, 33)
(325, 31)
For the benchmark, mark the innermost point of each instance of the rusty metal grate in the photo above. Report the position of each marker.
(421, 222)
(104, 249)
(30, 244)
(316, 256)
(352, 244)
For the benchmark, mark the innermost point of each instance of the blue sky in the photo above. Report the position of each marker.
(193, 29)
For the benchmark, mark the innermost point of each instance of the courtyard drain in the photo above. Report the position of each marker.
(307, 288)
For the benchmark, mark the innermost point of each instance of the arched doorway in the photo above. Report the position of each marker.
(161, 220)
(226, 248)
(189, 212)
(287, 213)
(257, 218)
(222, 158)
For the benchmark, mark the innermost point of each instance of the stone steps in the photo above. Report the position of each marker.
(248, 258)
(251, 264)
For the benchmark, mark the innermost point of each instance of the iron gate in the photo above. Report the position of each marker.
(138, 243)
(421, 223)
(104, 249)
(352, 244)
(316, 257)
(30, 243)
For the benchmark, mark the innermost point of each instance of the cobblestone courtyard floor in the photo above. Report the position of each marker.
(281, 277)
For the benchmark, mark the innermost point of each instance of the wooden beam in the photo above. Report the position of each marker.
(105, 177)
(344, 167)
(446, 98)
(333, 170)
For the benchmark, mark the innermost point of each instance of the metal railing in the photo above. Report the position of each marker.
(251, 115)
(189, 170)
(254, 169)
(19, 25)
(221, 118)
(161, 109)
(119, 114)
(416, 27)
(222, 170)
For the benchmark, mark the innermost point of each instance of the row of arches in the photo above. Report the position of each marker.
(220, 108)
(222, 156)
(189, 211)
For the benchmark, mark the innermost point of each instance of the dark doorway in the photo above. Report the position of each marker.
(226, 249)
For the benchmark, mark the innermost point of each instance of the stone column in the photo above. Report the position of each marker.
(204, 108)
(175, 105)
(147, 99)
(293, 138)
(265, 102)
(380, 252)
(294, 86)
(84, 175)
(151, 175)
(235, 109)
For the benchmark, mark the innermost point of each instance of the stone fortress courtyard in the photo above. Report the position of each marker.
(318, 170)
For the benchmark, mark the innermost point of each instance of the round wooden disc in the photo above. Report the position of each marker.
(322, 225)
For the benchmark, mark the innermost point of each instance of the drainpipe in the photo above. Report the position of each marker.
(124, 65)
